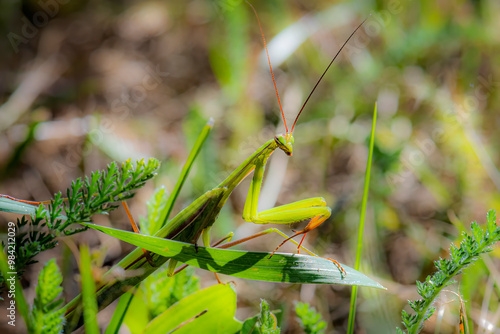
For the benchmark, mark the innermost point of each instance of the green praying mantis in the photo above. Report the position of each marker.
(313, 210)
(197, 219)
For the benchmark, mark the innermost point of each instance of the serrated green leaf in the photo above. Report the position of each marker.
(46, 316)
(491, 219)
(263, 323)
(429, 313)
(491, 216)
(477, 232)
(155, 205)
(162, 291)
(309, 319)
(210, 310)
(267, 322)
(454, 252)
(49, 281)
(470, 248)
(281, 267)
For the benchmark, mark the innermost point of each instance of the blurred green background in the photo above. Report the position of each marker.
(88, 82)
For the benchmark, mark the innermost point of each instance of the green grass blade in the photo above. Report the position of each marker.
(119, 314)
(9, 205)
(185, 170)
(88, 293)
(352, 310)
(210, 310)
(282, 267)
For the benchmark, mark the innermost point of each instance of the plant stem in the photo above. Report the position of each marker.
(352, 313)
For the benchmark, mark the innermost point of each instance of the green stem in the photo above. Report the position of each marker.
(352, 313)
(185, 171)
(88, 292)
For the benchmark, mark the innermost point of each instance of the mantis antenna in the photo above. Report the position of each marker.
(328, 67)
(270, 67)
(317, 83)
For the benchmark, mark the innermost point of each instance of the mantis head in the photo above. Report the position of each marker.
(285, 143)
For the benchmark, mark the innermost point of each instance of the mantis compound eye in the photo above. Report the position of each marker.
(280, 140)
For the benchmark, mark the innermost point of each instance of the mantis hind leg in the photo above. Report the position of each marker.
(313, 209)
(287, 238)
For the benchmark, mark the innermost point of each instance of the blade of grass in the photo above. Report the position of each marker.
(210, 310)
(185, 171)
(88, 292)
(120, 311)
(281, 267)
(352, 309)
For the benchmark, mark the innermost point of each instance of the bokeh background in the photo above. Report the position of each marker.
(84, 83)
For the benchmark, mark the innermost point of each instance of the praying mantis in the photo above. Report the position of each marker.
(203, 212)
(197, 219)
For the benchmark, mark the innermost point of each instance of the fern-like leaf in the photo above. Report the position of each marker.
(309, 319)
(47, 316)
(97, 194)
(472, 245)
(267, 322)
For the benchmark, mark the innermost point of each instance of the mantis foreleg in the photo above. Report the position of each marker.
(312, 209)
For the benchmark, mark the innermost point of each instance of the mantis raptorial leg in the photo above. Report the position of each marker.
(24, 201)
